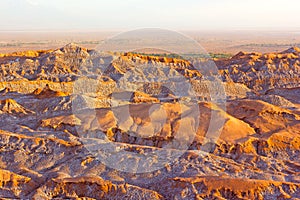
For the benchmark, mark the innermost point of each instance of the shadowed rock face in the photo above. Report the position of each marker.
(65, 114)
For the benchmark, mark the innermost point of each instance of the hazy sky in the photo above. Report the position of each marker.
(130, 14)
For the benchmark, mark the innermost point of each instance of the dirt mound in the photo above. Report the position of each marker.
(262, 116)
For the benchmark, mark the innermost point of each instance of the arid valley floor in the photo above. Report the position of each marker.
(64, 121)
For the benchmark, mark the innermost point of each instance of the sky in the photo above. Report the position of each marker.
(87, 15)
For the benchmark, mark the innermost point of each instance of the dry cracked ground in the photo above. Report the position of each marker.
(79, 124)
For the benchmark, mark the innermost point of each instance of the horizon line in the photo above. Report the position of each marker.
(264, 29)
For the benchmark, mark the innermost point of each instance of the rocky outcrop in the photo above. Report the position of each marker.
(92, 188)
(10, 106)
(262, 72)
(210, 187)
(278, 101)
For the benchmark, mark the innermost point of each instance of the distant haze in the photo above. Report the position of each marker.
(131, 14)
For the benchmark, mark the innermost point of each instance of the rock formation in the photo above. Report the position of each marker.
(77, 123)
